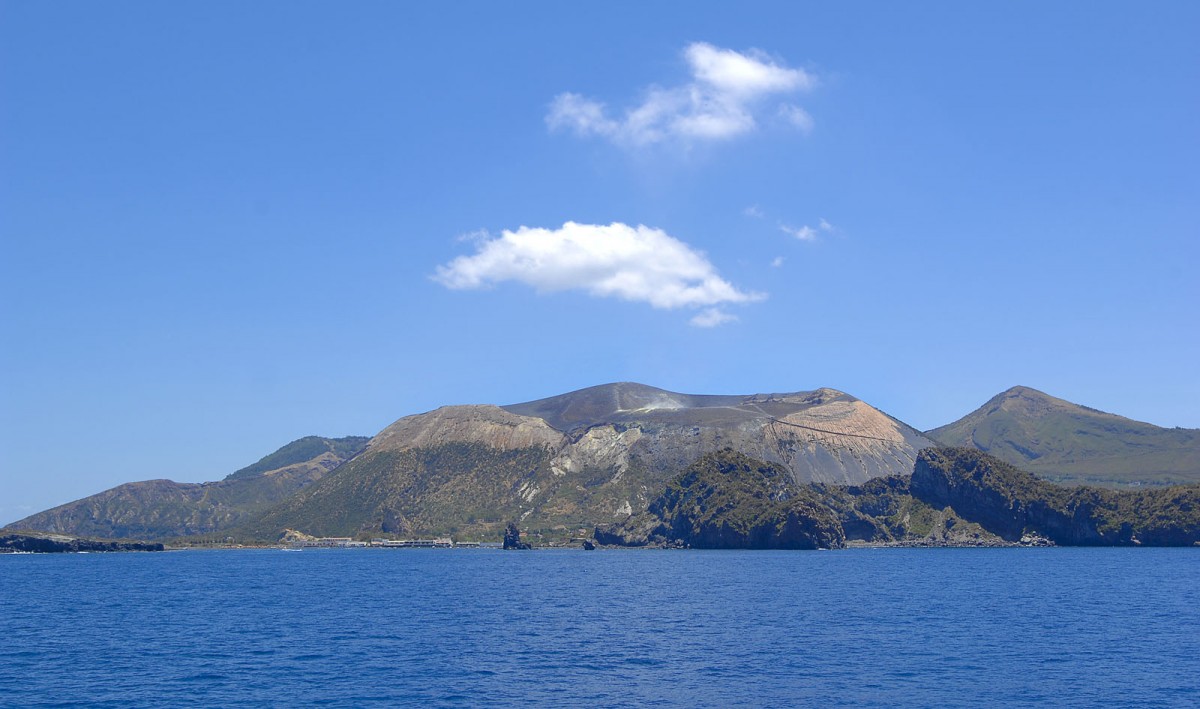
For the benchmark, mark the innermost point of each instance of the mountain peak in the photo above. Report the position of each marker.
(1070, 442)
(1022, 390)
(1027, 401)
(604, 403)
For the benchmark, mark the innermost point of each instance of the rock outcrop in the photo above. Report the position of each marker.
(512, 538)
(53, 544)
(727, 500)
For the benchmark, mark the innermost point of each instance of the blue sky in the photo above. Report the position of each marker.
(228, 225)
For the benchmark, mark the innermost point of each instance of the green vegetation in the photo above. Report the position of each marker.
(1072, 444)
(301, 450)
(162, 509)
(726, 500)
(453, 488)
(955, 497)
(1011, 503)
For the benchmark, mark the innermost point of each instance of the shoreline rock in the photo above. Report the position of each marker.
(56, 544)
(512, 538)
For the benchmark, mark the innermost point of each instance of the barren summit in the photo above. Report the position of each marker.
(608, 403)
(632, 402)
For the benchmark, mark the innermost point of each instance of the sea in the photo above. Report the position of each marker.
(1052, 627)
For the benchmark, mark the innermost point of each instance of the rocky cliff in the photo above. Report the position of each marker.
(954, 497)
(1012, 503)
(727, 500)
(55, 544)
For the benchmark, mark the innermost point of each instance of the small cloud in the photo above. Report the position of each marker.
(777, 262)
(797, 117)
(610, 261)
(825, 226)
(712, 317)
(474, 237)
(804, 233)
(586, 117)
(720, 102)
(754, 212)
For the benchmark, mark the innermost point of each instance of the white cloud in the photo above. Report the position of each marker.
(475, 236)
(720, 102)
(712, 317)
(754, 212)
(736, 73)
(804, 233)
(613, 261)
(797, 116)
(777, 262)
(825, 226)
(585, 116)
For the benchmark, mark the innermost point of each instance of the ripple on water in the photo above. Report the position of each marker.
(1059, 627)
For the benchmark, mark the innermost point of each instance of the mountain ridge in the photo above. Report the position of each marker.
(163, 509)
(593, 456)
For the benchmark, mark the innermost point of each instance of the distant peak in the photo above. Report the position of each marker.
(1028, 401)
(1020, 390)
(616, 388)
(1019, 396)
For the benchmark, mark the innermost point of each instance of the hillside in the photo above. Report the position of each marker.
(726, 500)
(954, 497)
(161, 509)
(567, 463)
(303, 450)
(1010, 503)
(1068, 443)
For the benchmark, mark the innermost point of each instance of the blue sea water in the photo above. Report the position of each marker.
(861, 627)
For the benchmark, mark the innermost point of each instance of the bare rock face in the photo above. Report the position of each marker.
(512, 538)
(290, 536)
(489, 425)
(820, 436)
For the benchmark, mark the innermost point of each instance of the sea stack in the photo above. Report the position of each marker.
(512, 537)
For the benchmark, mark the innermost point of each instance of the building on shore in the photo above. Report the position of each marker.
(348, 542)
(328, 542)
(442, 543)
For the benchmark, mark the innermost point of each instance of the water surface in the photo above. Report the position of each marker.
(861, 627)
